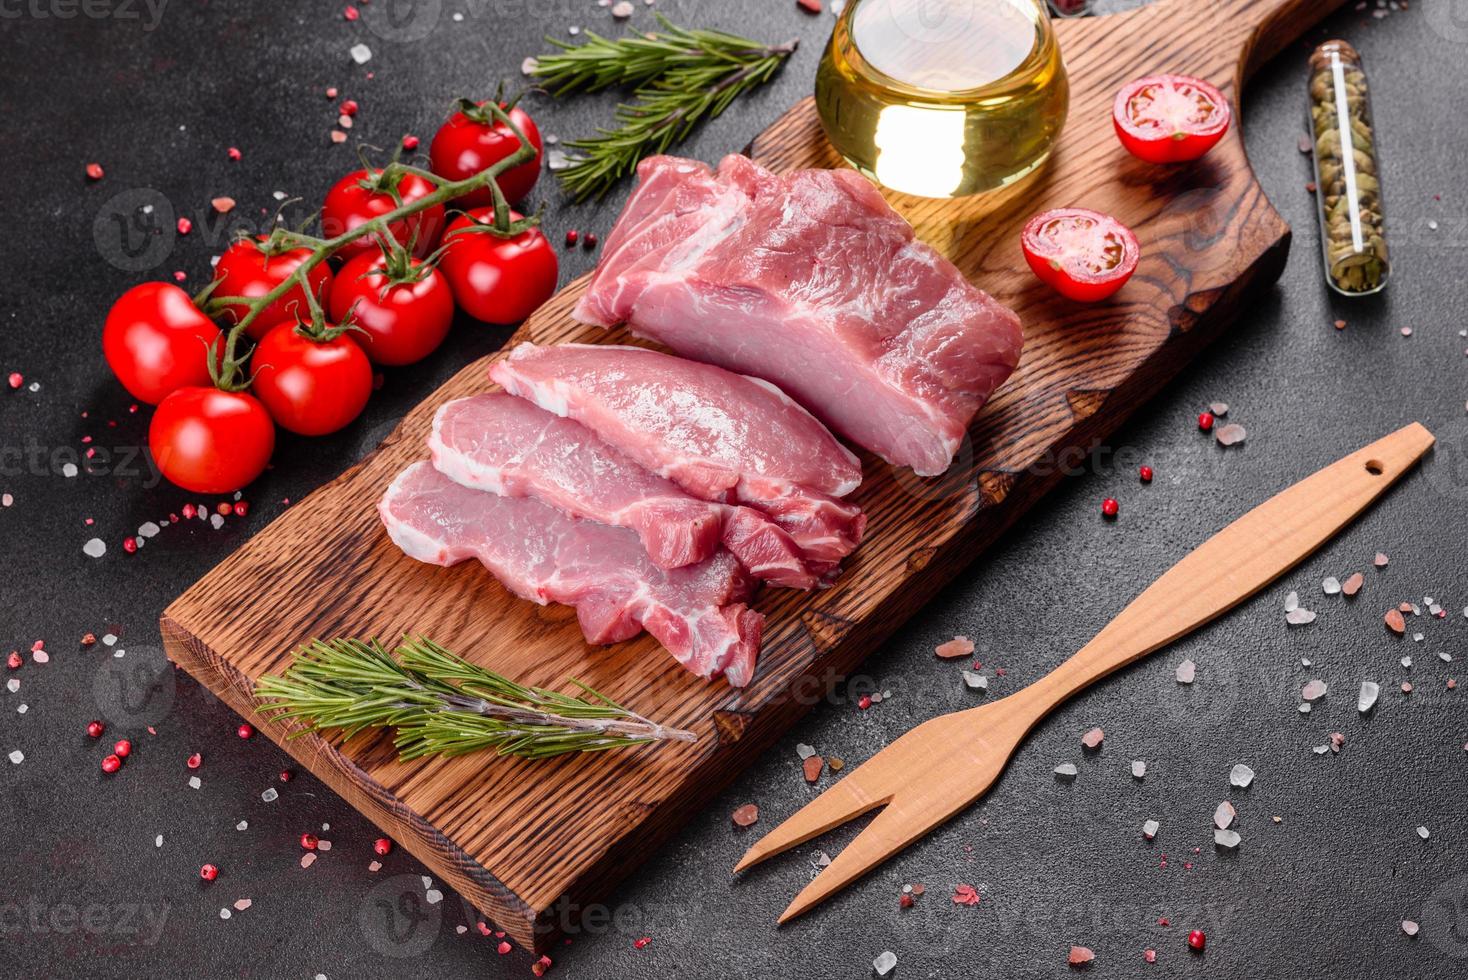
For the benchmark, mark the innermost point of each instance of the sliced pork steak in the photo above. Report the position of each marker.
(719, 435)
(811, 281)
(507, 445)
(542, 554)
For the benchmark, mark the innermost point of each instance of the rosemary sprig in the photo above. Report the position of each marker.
(682, 76)
(440, 703)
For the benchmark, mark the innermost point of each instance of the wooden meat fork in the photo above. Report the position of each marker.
(943, 765)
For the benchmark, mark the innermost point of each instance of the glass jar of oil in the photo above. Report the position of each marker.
(942, 98)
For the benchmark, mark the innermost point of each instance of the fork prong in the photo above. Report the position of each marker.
(847, 799)
(892, 830)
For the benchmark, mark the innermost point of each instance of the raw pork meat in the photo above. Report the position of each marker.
(811, 281)
(719, 435)
(545, 555)
(507, 445)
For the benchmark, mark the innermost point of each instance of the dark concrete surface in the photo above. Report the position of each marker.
(84, 892)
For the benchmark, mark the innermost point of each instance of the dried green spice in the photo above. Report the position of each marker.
(1347, 180)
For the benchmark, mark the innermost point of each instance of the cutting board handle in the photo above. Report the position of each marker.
(1238, 561)
(1262, 27)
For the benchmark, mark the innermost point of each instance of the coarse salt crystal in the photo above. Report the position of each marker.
(1241, 776)
(360, 53)
(1366, 700)
(95, 548)
(270, 795)
(1186, 671)
(308, 859)
(17, 756)
(195, 782)
(433, 896)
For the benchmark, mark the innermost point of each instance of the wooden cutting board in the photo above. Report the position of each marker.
(516, 838)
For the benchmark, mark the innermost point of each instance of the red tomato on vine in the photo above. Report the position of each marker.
(157, 341)
(473, 140)
(311, 378)
(252, 267)
(363, 195)
(211, 441)
(402, 306)
(495, 278)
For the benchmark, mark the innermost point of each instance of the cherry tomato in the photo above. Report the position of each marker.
(245, 270)
(311, 387)
(1169, 118)
(403, 321)
(463, 146)
(157, 341)
(361, 196)
(211, 441)
(497, 280)
(1084, 255)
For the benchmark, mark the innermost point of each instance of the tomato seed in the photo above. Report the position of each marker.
(94, 171)
(1205, 421)
(111, 764)
(350, 107)
(122, 749)
(185, 226)
(382, 847)
(95, 729)
(244, 731)
(208, 872)
(309, 841)
(410, 143)
(194, 761)
(571, 237)
(1145, 473)
(1109, 507)
(1197, 940)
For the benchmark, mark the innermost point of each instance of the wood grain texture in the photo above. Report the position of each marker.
(526, 842)
(943, 765)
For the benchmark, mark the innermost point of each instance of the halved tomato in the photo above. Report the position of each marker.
(1170, 118)
(1082, 254)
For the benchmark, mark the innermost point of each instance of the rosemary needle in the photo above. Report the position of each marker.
(682, 76)
(439, 703)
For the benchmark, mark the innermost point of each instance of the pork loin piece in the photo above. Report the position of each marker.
(542, 554)
(721, 436)
(507, 445)
(811, 281)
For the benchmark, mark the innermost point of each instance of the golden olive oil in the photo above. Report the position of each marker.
(942, 98)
